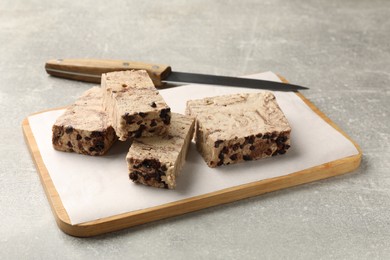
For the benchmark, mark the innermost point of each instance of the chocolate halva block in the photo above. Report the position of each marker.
(134, 105)
(84, 127)
(156, 161)
(240, 127)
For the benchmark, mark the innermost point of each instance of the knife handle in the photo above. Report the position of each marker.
(90, 70)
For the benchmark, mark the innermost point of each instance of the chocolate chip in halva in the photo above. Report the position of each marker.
(153, 123)
(236, 146)
(217, 143)
(164, 168)
(133, 176)
(69, 129)
(95, 134)
(246, 158)
(128, 118)
(138, 133)
(233, 157)
(142, 114)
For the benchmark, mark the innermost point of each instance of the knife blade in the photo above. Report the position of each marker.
(90, 70)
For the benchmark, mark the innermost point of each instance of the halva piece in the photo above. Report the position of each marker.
(239, 127)
(84, 127)
(156, 161)
(134, 105)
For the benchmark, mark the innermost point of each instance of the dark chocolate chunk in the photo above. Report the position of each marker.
(153, 104)
(139, 122)
(259, 135)
(95, 134)
(273, 135)
(147, 177)
(233, 157)
(236, 146)
(281, 151)
(221, 156)
(91, 149)
(220, 163)
(281, 139)
(165, 115)
(164, 112)
(142, 114)
(250, 139)
(153, 123)
(266, 136)
(286, 146)
(78, 137)
(133, 176)
(69, 129)
(164, 168)
(225, 149)
(99, 146)
(252, 147)
(87, 138)
(129, 118)
(268, 152)
(69, 144)
(217, 143)
(151, 163)
(138, 133)
(246, 158)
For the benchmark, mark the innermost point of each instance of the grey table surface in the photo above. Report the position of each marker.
(340, 49)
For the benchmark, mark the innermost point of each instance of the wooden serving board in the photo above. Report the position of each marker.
(129, 219)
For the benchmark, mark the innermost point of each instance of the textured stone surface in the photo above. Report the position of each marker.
(340, 49)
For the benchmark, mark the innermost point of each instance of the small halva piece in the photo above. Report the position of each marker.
(156, 161)
(239, 127)
(134, 105)
(84, 127)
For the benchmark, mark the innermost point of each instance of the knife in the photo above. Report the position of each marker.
(90, 70)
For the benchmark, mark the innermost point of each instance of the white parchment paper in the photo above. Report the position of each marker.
(97, 187)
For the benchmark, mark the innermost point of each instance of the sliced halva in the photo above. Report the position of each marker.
(239, 127)
(156, 161)
(84, 127)
(134, 105)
